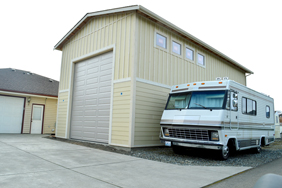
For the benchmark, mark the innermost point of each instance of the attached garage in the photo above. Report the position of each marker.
(28, 102)
(11, 114)
(117, 69)
(90, 117)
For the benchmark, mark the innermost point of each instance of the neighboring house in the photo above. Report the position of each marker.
(28, 102)
(117, 69)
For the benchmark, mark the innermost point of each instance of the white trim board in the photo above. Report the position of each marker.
(122, 80)
(153, 83)
(65, 90)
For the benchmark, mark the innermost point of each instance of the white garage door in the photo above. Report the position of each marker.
(11, 114)
(90, 116)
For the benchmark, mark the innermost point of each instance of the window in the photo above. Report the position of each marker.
(176, 48)
(201, 59)
(249, 106)
(197, 100)
(207, 100)
(160, 40)
(189, 54)
(178, 101)
(267, 110)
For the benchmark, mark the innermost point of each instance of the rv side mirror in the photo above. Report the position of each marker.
(235, 95)
(235, 103)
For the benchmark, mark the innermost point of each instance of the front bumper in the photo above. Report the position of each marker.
(193, 144)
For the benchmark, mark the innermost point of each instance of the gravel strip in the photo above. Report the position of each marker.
(195, 157)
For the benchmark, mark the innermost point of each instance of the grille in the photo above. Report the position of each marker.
(191, 134)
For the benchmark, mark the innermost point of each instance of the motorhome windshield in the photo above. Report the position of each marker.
(197, 100)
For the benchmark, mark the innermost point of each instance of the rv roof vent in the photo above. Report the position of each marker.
(13, 69)
(225, 78)
(218, 78)
(50, 80)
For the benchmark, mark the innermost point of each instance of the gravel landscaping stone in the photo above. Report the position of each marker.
(194, 157)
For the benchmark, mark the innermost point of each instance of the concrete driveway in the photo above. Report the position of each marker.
(33, 161)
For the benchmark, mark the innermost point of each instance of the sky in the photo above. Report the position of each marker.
(247, 31)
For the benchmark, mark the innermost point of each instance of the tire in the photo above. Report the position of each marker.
(223, 154)
(177, 149)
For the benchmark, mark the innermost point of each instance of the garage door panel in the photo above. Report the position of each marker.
(79, 84)
(78, 93)
(103, 113)
(105, 89)
(101, 136)
(91, 70)
(108, 55)
(92, 98)
(90, 91)
(106, 76)
(90, 81)
(106, 66)
(104, 101)
(90, 112)
(103, 130)
(90, 124)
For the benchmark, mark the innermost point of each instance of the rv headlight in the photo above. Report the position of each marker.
(166, 132)
(214, 135)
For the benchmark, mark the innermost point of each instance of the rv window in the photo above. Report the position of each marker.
(178, 101)
(207, 99)
(249, 106)
(267, 109)
(244, 105)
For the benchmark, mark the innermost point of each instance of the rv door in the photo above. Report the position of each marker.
(234, 115)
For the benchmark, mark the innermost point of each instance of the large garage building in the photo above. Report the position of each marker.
(117, 68)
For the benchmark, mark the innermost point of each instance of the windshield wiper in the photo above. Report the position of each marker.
(203, 106)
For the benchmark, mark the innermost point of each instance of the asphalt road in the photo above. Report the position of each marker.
(249, 178)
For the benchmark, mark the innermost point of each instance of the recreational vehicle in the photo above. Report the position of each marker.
(278, 124)
(221, 115)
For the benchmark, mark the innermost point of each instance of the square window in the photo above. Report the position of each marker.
(176, 48)
(201, 59)
(161, 41)
(189, 54)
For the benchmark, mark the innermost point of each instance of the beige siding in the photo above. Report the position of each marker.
(98, 33)
(164, 66)
(62, 114)
(50, 116)
(121, 114)
(50, 112)
(150, 103)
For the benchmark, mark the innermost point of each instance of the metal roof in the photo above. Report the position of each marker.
(14, 80)
(151, 15)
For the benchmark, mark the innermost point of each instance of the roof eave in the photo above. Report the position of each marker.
(174, 27)
(91, 14)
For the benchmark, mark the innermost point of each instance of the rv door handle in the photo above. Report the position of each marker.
(236, 117)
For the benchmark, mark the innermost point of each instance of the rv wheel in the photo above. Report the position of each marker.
(224, 153)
